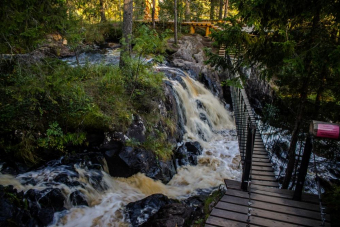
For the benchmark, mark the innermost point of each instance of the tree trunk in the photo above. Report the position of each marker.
(226, 9)
(319, 95)
(187, 10)
(221, 10)
(102, 11)
(212, 9)
(153, 13)
(175, 20)
(304, 90)
(127, 32)
(293, 140)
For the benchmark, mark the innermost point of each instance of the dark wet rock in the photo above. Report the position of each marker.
(187, 154)
(171, 215)
(204, 118)
(140, 211)
(197, 205)
(194, 148)
(53, 198)
(95, 139)
(27, 181)
(168, 170)
(78, 199)
(113, 142)
(211, 84)
(45, 216)
(85, 159)
(200, 105)
(95, 178)
(175, 111)
(129, 161)
(67, 180)
(14, 168)
(137, 130)
(13, 209)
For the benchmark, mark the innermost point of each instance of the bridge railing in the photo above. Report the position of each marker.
(246, 128)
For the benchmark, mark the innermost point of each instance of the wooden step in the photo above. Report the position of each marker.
(266, 160)
(267, 164)
(243, 218)
(274, 200)
(217, 221)
(282, 211)
(270, 215)
(265, 183)
(262, 173)
(262, 168)
(262, 178)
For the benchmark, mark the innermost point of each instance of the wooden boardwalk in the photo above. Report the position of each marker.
(269, 207)
(263, 204)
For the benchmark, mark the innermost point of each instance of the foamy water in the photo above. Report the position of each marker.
(220, 160)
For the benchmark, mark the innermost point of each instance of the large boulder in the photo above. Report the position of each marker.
(187, 154)
(137, 130)
(78, 199)
(14, 210)
(129, 161)
(140, 211)
(171, 215)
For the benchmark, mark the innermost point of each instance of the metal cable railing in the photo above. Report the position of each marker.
(246, 129)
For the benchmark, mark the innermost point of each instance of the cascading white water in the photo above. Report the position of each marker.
(206, 121)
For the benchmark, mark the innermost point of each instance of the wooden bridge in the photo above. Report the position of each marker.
(257, 201)
(207, 25)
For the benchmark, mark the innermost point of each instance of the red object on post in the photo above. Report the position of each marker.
(325, 130)
(328, 131)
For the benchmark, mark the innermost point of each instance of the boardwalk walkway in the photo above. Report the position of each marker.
(263, 204)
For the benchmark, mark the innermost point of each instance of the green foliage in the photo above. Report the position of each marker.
(100, 32)
(50, 106)
(24, 23)
(56, 139)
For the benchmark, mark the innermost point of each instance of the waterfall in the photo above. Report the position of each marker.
(204, 119)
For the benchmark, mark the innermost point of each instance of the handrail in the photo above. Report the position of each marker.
(246, 129)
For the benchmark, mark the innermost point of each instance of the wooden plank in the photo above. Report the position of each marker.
(262, 164)
(306, 198)
(217, 221)
(262, 168)
(260, 159)
(243, 218)
(280, 201)
(265, 183)
(270, 207)
(232, 184)
(262, 178)
(262, 173)
(261, 155)
(309, 198)
(268, 214)
(291, 219)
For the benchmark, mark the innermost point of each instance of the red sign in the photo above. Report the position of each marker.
(328, 131)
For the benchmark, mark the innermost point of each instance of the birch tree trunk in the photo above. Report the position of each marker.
(175, 20)
(102, 11)
(127, 32)
(187, 10)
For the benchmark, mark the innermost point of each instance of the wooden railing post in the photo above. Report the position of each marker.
(248, 156)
